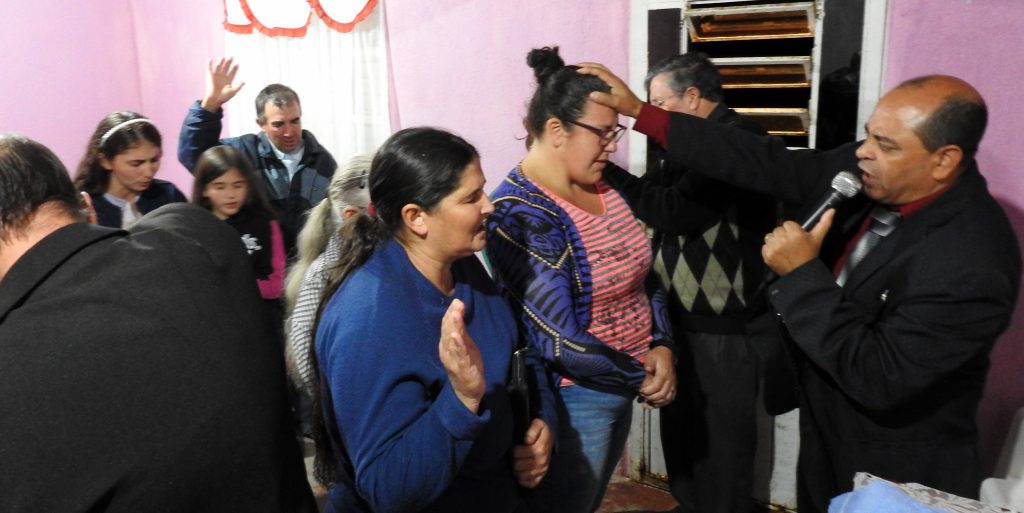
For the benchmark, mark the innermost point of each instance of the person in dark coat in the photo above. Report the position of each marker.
(136, 372)
(707, 250)
(296, 169)
(893, 300)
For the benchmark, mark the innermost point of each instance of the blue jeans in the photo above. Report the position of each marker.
(592, 431)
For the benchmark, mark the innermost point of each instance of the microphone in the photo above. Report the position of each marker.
(845, 185)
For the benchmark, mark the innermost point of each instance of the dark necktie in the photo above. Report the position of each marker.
(883, 222)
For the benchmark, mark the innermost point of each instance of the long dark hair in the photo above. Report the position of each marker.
(112, 137)
(216, 161)
(419, 166)
(561, 91)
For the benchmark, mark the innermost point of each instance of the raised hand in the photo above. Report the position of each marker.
(461, 358)
(789, 246)
(619, 98)
(530, 459)
(659, 386)
(219, 84)
(88, 209)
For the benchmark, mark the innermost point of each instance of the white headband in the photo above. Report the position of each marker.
(103, 140)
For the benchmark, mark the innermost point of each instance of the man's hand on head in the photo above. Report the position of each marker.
(619, 98)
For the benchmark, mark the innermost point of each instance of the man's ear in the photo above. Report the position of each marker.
(946, 163)
(692, 97)
(414, 218)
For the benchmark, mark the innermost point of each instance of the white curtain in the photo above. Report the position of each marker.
(341, 79)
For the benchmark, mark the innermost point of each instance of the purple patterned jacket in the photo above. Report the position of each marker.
(537, 256)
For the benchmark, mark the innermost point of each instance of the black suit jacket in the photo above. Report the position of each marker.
(137, 373)
(894, 362)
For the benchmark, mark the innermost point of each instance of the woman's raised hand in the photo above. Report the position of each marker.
(461, 358)
(219, 84)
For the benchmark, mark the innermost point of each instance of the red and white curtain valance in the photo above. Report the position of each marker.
(291, 17)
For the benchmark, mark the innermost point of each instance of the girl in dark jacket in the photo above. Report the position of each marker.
(224, 185)
(121, 159)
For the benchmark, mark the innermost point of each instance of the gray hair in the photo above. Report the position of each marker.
(692, 69)
(349, 187)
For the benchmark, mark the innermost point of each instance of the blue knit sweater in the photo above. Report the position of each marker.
(538, 257)
(413, 445)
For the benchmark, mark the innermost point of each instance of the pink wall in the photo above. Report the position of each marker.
(461, 65)
(172, 70)
(982, 42)
(455, 64)
(66, 65)
(78, 61)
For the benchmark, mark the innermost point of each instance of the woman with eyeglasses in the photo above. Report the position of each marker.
(575, 263)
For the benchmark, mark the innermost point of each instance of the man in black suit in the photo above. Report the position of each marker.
(136, 370)
(707, 245)
(893, 360)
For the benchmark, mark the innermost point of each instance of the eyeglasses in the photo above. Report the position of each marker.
(605, 136)
(660, 103)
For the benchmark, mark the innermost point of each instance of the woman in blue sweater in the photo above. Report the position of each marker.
(413, 347)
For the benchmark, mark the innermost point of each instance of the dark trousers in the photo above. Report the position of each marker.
(709, 434)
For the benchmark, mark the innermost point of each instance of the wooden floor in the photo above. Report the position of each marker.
(625, 496)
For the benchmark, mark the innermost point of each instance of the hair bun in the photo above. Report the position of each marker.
(545, 62)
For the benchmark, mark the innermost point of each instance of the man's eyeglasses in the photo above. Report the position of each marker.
(662, 101)
(605, 136)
